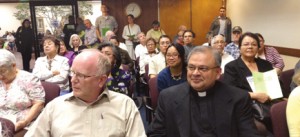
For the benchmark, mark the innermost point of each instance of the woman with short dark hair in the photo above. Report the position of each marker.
(240, 70)
(118, 79)
(52, 67)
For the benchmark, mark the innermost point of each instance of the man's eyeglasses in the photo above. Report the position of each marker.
(80, 76)
(200, 68)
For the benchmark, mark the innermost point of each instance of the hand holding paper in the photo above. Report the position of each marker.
(266, 82)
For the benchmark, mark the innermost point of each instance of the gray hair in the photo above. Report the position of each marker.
(296, 77)
(89, 21)
(140, 33)
(206, 50)
(103, 64)
(6, 58)
(215, 37)
(71, 38)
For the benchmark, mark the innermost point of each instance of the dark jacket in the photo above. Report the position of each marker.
(24, 39)
(236, 72)
(233, 113)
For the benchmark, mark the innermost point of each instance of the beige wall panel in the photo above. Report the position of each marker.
(174, 13)
(203, 13)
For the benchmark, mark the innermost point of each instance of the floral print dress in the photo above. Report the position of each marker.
(119, 81)
(17, 100)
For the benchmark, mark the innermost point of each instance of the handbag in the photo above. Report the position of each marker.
(261, 111)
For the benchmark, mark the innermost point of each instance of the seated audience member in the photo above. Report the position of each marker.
(52, 67)
(156, 32)
(203, 106)
(76, 44)
(126, 60)
(21, 93)
(90, 36)
(238, 71)
(218, 43)
(141, 48)
(118, 80)
(292, 109)
(233, 47)
(297, 67)
(108, 35)
(91, 110)
(158, 62)
(145, 58)
(116, 42)
(188, 40)
(270, 54)
(209, 36)
(178, 39)
(63, 51)
(175, 72)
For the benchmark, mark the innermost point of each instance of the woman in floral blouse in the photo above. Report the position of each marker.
(119, 79)
(21, 93)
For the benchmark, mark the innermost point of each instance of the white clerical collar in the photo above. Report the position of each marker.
(202, 94)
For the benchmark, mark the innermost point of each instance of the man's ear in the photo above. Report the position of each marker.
(219, 73)
(102, 80)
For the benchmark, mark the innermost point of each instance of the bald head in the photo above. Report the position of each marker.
(93, 61)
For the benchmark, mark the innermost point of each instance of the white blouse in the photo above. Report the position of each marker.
(43, 70)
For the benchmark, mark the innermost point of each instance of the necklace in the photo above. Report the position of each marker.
(178, 77)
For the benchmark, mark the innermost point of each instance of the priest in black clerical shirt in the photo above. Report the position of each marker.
(203, 106)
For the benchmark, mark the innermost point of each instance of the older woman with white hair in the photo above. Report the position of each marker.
(21, 93)
(53, 67)
(76, 44)
(292, 109)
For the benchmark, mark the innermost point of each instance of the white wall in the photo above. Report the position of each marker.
(277, 20)
(8, 21)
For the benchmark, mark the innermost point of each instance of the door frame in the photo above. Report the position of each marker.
(33, 4)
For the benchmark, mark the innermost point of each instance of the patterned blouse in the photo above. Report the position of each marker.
(119, 81)
(17, 100)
